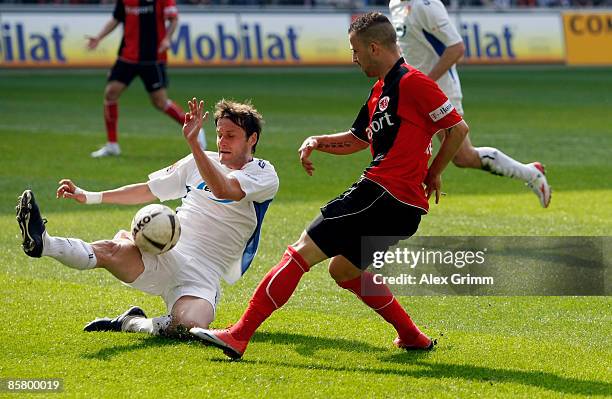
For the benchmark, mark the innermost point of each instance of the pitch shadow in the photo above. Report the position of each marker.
(538, 379)
(147, 341)
(308, 345)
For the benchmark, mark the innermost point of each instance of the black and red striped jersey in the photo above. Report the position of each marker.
(399, 119)
(144, 27)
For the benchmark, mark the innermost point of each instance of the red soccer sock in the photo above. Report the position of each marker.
(111, 114)
(380, 298)
(272, 293)
(174, 111)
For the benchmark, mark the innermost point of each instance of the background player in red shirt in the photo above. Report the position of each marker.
(142, 52)
(403, 112)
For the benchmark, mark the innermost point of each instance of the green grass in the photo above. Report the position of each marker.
(324, 343)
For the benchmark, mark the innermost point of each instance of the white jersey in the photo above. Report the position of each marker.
(218, 232)
(424, 31)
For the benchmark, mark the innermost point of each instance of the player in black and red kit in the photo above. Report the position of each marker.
(403, 112)
(144, 45)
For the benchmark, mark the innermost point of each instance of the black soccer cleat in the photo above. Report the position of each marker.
(106, 324)
(32, 225)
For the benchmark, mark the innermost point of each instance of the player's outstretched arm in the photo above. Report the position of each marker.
(132, 194)
(339, 144)
(452, 141)
(93, 41)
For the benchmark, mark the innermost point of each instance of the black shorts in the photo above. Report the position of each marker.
(152, 75)
(361, 221)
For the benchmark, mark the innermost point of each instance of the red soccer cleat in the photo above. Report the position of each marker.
(221, 339)
(422, 342)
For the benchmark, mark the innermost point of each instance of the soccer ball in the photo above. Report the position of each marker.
(156, 229)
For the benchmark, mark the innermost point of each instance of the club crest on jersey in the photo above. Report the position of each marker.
(383, 103)
(441, 111)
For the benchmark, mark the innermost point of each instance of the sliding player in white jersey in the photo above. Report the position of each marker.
(431, 43)
(224, 198)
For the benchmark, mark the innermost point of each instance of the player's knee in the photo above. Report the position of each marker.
(105, 251)
(111, 94)
(466, 159)
(189, 312)
(342, 273)
(158, 103)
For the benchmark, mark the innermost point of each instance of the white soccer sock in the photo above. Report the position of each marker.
(72, 252)
(498, 163)
(155, 326)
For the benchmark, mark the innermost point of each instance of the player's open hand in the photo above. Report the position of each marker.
(433, 183)
(305, 150)
(68, 189)
(193, 121)
(92, 42)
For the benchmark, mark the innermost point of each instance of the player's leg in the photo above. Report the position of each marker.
(119, 79)
(467, 156)
(375, 229)
(378, 297)
(187, 312)
(496, 162)
(155, 79)
(191, 311)
(492, 160)
(120, 257)
(278, 285)
(271, 294)
(324, 237)
(189, 286)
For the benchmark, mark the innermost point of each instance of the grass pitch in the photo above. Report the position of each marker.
(324, 343)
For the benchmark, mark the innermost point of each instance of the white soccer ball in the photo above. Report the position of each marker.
(156, 229)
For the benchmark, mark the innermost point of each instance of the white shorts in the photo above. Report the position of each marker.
(174, 274)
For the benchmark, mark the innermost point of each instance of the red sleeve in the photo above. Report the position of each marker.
(170, 10)
(431, 104)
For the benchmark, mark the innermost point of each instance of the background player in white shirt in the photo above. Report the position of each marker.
(431, 43)
(224, 198)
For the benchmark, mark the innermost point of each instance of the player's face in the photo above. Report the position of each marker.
(362, 55)
(232, 144)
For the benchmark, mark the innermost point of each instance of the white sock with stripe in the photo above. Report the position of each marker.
(155, 326)
(498, 163)
(72, 252)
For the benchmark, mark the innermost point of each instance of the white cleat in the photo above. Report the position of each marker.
(109, 149)
(202, 139)
(539, 184)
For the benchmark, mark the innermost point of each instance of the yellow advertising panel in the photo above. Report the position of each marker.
(588, 37)
(212, 39)
(54, 40)
(510, 38)
(58, 39)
